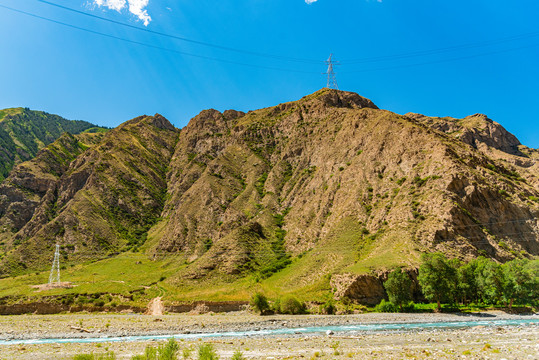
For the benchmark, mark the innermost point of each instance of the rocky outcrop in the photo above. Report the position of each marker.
(364, 289)
(476, 130)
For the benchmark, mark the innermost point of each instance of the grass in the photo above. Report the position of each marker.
(138, 279)
(122, 274)
(307, 277)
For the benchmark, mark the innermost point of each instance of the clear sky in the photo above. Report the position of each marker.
(439, 58)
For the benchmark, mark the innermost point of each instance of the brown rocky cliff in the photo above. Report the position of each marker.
(331, 164)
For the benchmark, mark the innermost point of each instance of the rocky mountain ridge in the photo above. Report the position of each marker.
(326, 185)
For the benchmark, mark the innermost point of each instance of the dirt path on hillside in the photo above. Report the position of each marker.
(155, 307)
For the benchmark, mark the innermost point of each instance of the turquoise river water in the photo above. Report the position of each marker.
(346, 329)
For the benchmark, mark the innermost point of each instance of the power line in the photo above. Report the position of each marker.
(444, 60)
(374, 59)
(440, 50)
(181, 38)
(285, 58)
(150, 45)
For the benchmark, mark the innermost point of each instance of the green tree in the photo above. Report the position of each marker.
(490, 280)
(399, 288)
(468, 286)
(259, 303)
(532, 286)
(437, 278)
(520, 281)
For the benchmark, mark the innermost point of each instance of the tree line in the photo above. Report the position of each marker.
(479, 281)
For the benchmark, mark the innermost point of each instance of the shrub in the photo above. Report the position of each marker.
(291, 305)
(276, 306)
(167, 351)
(328, 307)
(386, 307)
(238, 355)
(207, 352)
(408, 308)
(259, 303)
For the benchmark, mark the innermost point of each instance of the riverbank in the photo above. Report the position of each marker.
(480, 342)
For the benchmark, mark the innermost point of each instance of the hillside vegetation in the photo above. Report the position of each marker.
(302, 198)
(24, 132)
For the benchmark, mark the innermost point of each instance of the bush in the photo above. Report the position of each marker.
(328, 307)
(386, 307)
(291, 305)
(259, 303)
(408, 308)
(238, 355)
(207, 352)
(167, 351)
(276, 306)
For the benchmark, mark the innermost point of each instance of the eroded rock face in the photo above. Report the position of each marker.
(364, 289)
(28, 182)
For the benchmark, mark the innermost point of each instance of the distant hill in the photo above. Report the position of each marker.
(23, 132)
(288, 197)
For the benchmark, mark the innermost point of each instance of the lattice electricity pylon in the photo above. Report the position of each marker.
(332, 79)
(55, 271)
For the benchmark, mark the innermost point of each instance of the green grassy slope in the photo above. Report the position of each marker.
(24, 132)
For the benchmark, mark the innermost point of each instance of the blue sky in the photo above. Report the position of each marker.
(439, 58)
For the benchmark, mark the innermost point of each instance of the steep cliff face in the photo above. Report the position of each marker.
(24, 132)
(106, 199)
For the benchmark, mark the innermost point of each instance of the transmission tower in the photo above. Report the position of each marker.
(55, 271)
(332, 79)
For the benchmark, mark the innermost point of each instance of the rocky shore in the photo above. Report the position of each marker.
(481, 342)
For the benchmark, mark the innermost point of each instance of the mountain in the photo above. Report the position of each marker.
(22, 191)
(24, 132)
(106, 199)
(287, 197)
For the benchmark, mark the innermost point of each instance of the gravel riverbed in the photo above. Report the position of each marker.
(479, 342)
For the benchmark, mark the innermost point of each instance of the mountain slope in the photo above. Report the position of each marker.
(105, 201)
(331, 184)
(24, 132)
(286, 198)
(29, 181)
